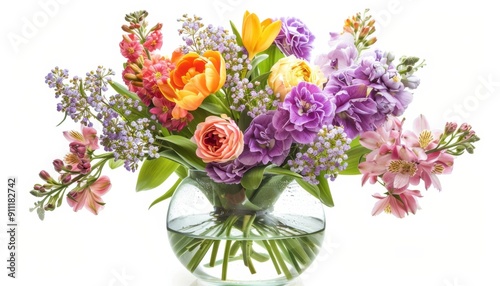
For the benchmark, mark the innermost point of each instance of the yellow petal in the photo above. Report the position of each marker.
(268, 36)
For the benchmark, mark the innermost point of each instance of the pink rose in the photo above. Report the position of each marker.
(219, 139)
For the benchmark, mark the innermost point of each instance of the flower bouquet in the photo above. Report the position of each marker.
(254, 131)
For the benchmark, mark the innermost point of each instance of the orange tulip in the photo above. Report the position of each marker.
(258, 36)
(194, 78)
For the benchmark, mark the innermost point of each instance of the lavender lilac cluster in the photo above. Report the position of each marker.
(131, 140)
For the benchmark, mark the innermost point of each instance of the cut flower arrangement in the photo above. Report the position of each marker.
(245, 116)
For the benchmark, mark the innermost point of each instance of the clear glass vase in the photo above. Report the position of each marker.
(228, 235)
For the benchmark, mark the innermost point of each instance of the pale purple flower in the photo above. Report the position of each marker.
(303, 112)
(295, 38)
(355, 109)
(229, 172)
(261, 145)
(342, 55)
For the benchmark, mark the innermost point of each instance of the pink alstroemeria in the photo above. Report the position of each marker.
(90, 197)
(87, 137)
(397, 203)
(389, 204)
(401, 169)
(422, 136)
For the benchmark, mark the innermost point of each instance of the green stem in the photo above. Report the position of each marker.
(279, 258)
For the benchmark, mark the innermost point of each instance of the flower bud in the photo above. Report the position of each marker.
(450, 127)
(465, 127)
(45, 176)
(126, 28)
(411, 81)
(39, 187)
(49, 207)
(36, 193)
(58, 165)
(66, 178)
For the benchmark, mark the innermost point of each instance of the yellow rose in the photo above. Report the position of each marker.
(289, 71)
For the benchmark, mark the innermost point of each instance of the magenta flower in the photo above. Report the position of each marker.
(155, 71)
(90, 196)
(131, 48)
(154, 41)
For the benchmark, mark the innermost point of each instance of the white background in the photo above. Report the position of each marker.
(452, 241)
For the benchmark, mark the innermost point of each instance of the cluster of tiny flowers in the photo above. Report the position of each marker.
(72, 103)
(325, 155)
(245, 96)
(130, 141)
(78, 96)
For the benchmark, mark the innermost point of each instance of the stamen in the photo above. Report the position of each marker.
(402, 167)
(425, 138)
(387, 209)
(437, 169)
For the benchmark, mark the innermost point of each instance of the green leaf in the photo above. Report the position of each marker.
(186, 149)
(262, 79)
(320, 191)
(355, 156)
(237, 34)
(41, 212)
(113, 164)
(214, 104)
(282, 171)
(270, 190)
(252, 178)
(255, 64)
(325, 195)
(168, 193)
(154, 172)
(123, 90)
(274, 54)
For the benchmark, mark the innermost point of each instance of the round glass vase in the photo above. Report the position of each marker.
(229, 235)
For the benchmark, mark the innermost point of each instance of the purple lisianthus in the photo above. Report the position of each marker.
(303, 112)
(355, 109)
(342, 55)
(295, 38)
(229, 172)
(261, 145)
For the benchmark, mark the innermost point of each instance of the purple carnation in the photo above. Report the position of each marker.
(355, 109)
(303, 112)
(229, 172)
(295, 38)
(261, 146)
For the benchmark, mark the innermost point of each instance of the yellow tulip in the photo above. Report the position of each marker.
(258, 36)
